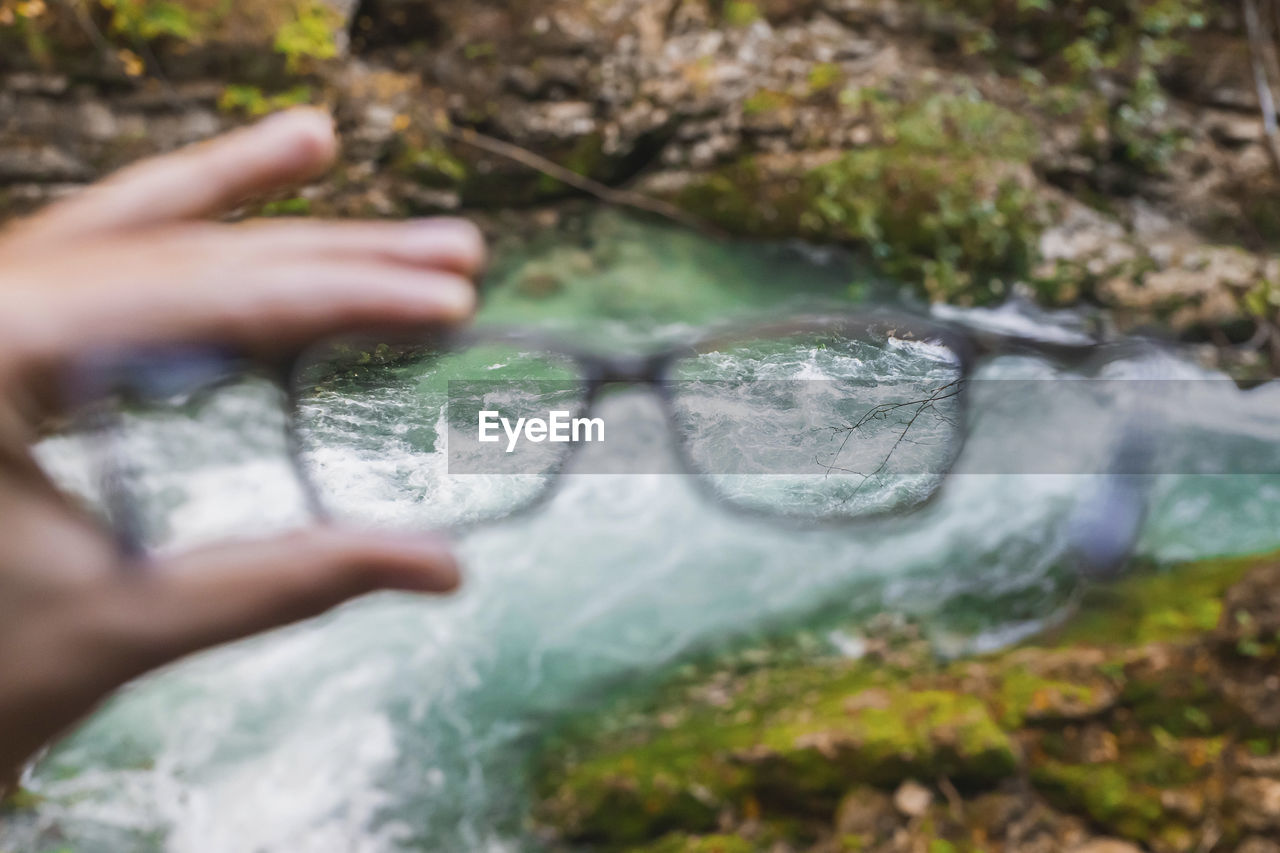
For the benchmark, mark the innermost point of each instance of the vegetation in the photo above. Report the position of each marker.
(251, 101)
(310, 36)
(147, 20)
(1107, 729)
(940, 202)
(741, 13)
(301, 32)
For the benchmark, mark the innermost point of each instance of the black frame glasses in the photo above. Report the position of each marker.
(108, 383)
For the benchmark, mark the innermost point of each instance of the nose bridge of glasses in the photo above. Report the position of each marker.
(626, 370)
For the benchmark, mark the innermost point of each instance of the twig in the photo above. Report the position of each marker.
(1266, 100)
(1267, 17)
(955, 803)
(881, 412)
(107, 50)
(607, 194)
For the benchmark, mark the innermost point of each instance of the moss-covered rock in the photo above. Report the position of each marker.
(699, 844)
(940, 200)
(1129, 736)
(1028, 697)
(880, 736)
(1104, 793)
(644, 793)
(263, 40)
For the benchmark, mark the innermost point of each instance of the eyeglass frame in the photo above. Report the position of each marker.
(101, 386)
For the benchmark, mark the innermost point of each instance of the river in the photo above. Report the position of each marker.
(397, 723)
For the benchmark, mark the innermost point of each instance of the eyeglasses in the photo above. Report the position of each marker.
(830, 419)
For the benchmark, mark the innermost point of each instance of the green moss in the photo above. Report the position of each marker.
(1155, 605)
(20, 800)
(1177, 699)
(432, 166)
(147, 20)
(297, 206)
(587, 154)
(483, 50)
(1024, 696)
(939, 204)
(882, 737)
(698, 844)
(252, 101)
(642, 794)
(1075, 40)
(779, 743)
(1103, 793)
(1076, 44)
(951, 225)
(963, 124)
(764, 102)
(741, 13)
(311, 35)
(1123, 796)
(824, 76)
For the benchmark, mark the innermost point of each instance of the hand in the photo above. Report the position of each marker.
(131, 261)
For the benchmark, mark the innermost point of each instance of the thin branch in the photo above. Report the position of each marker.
(1258, 51)
(881, 412)
(107, 50)
(607, 194)
(1267, 17)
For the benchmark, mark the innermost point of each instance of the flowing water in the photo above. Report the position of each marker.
(397, 723)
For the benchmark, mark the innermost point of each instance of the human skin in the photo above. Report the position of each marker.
(134, 260)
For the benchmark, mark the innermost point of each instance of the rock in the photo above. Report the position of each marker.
(866, 812)
(1258, 844)
(41, 164)
(34, 83)
(1187, 804)
(1235, 130)
(779, 11)
(1058, 686)
(1251, 610)
(1257, 803)
(912, 799)
(1258, 765)
(1098, 745)
(996, 812)
(1110, 795)
(884, 737)
(99, 122)
(1199, 286)
(1106, 845)
(1081, 235)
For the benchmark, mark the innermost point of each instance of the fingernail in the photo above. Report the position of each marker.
(455, 296)
(423, 544)
(309, 118)
(460, 236)
(433, 550)
(311, 124)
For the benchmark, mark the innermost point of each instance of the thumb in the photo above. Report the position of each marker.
(225, 593)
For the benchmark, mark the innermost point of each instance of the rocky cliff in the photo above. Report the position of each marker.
(1109, 153)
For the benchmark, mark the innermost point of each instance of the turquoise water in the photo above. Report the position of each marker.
(397, 723)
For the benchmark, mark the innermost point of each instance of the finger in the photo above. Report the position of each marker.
(198, 181)
(230, 592)
(289, 303)
(264, 306)
(455, 245)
